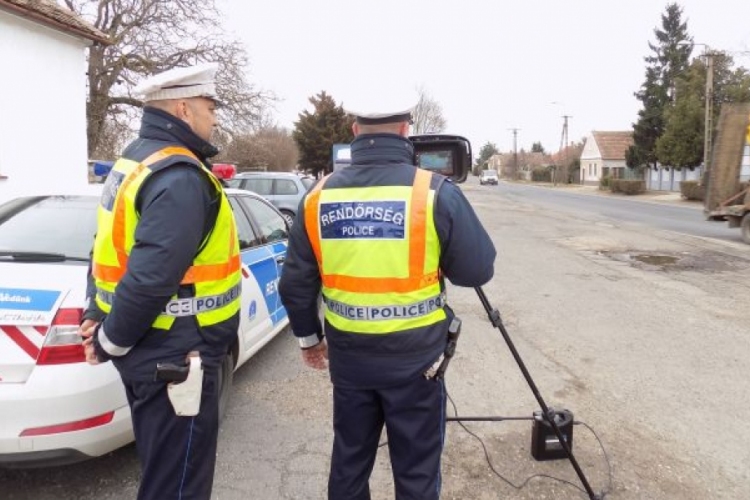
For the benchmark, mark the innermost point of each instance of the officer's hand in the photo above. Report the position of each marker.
(86, 329)
(89, 351)
(316, 357)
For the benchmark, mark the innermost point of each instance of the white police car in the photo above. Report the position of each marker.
(54, 407)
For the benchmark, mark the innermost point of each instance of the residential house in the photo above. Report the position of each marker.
(604, 154)
(43, 98)
(504, 163)
(564, 160)
(496, 163)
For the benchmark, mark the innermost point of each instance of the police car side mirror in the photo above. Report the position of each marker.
(448, 155)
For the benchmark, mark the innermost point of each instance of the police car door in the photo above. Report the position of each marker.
(275, 233)
(258, 269)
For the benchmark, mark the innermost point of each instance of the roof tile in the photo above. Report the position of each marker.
(613, 145)
(56, 16)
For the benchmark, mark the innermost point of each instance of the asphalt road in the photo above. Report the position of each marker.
(640, 331)
(683, 217)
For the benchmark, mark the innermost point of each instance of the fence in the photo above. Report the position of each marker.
(668, 179)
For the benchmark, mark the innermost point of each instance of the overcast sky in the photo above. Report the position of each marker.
(492, 65)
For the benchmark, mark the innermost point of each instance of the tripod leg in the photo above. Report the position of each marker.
(496, 321)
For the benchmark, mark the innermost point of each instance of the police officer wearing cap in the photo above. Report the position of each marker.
(167, 280)
(377, 239)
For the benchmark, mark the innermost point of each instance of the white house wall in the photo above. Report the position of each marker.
(591, 170)
(591, 161)
(43, 103)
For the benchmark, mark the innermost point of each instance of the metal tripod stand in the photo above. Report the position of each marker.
(549, 416)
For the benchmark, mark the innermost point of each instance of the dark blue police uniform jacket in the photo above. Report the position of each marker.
(467, 259)
(178, 207)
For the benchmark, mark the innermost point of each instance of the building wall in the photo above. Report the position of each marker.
(591, 162)
(591, 170)
(43, 103)
(616, 168)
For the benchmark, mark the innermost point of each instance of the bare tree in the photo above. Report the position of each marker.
(428, 115)
(113, 137)
(149, 36)
(270, 148)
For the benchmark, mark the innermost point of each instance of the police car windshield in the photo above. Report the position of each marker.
(48, 226)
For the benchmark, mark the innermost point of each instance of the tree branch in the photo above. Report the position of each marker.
(130, 101)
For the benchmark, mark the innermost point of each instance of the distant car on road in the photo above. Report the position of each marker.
(284, 190)
(488, 177)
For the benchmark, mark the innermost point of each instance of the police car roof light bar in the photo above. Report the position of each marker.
(548, 414)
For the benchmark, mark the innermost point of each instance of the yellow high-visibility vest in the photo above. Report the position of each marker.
(378, 253)
(215, 272)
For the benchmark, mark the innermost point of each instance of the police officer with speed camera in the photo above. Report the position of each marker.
(377, 239)
(167, 277)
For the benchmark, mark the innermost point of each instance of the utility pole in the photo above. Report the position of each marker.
(708, 123)
(564, 150)
(709, 120)
(515, 152)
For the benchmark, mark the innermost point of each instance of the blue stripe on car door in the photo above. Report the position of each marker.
(262, 266)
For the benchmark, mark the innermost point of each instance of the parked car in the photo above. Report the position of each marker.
(284, 189)
(488, 177)
(54, 407)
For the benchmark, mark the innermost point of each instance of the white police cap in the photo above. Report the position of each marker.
(180, 83)
(382, 107)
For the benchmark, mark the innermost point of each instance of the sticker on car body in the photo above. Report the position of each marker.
(20, 306)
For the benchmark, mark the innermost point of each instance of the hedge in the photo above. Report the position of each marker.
(692, 190)
(541, 175)
(628, 186)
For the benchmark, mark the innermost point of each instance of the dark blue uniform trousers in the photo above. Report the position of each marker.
(177, 454)
(414, 417)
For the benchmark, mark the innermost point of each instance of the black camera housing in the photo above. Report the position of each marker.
(448, 155)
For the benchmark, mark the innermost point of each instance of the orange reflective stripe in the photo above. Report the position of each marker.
(118, 223)
(312, 213)
(378, 285)
(214, 272)
(166, 152)
(418, 233)
(103, 272)
(211, 272)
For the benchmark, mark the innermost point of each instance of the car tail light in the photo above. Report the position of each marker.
(77, 425)
(62, 344)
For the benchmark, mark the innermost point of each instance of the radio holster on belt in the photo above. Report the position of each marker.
(437, 370)
(185, 384)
